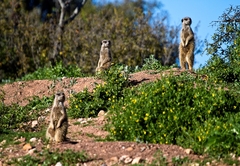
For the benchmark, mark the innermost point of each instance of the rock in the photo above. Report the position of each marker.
(101, 113)
(27, 146)
(31, 151)
(111, 161)
(188, 151)
(3, 142)
(122, 158)
(136, 160)
(58, 164)
(33, 139)
(142, 149)
(47, 110)
(34, 123)
(128, 160)
(129, 149)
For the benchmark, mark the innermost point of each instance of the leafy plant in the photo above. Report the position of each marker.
(55, 72)
(170, 111)
(12, 117)
(85, 104)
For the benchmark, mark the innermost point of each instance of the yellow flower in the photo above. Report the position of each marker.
(175, 117)
(146, 118)
(76, 106)
(163, 112)
(137, 120)
(199, 139)
(209, 111)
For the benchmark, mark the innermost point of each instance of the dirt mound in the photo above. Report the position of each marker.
(83, 133)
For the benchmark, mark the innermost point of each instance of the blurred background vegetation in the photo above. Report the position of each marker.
(28, 28)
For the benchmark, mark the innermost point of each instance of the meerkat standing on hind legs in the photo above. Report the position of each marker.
(57, 129)
(105, 58)
(187, 45)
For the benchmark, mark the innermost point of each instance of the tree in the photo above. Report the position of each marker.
(225, 48)
(62, 23)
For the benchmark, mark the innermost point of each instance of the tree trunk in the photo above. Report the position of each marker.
(60, 28)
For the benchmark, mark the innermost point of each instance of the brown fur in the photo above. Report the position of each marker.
(105, 58)
(187, 45)
(57, 129)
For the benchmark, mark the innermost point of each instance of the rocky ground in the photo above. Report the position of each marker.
(82, 133)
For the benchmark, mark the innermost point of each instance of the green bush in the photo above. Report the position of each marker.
(85, 104)
(55, 72)
(171, 110)
(11, 117)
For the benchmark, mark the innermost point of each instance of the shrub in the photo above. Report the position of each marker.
(85, 104)
(171, 110)
(55, 72)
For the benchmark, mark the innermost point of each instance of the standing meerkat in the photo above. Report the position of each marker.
(57, 129)
(187, 45)
(105, 58)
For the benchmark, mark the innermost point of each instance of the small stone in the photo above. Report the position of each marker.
(142, 149)
(129, 149)
(112, 161)
(128, 160)
(33, 139)
(31, 151)
(47, 110)
(3, 142)
(208, 163)
(101, 113)
(34, 123)
(58, 164)
(122, 158)
(188, 151)
(136, 160)
(27, 146)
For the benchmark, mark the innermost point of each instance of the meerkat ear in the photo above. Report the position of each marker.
(109, 42)
(182, 19)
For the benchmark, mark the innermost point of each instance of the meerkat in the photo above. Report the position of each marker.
(187, 45)
(105, 58)
(57, 129)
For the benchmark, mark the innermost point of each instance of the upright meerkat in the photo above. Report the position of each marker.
(187, 45)
(105, 58)
(57, 129)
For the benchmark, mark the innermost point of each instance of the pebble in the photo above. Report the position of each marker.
(27, 146)
(33, 139)
(136, 160)
(58, 164)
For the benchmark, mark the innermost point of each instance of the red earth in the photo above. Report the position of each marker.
(82, 133)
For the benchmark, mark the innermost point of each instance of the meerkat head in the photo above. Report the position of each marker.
(60, 97)
(186, 21)
(106, 44)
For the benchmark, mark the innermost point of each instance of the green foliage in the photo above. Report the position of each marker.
(153, 64)
(223, 65)
(55, 72)
(85, 104)
(46, 158)
(171, 111)
(12, 117)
